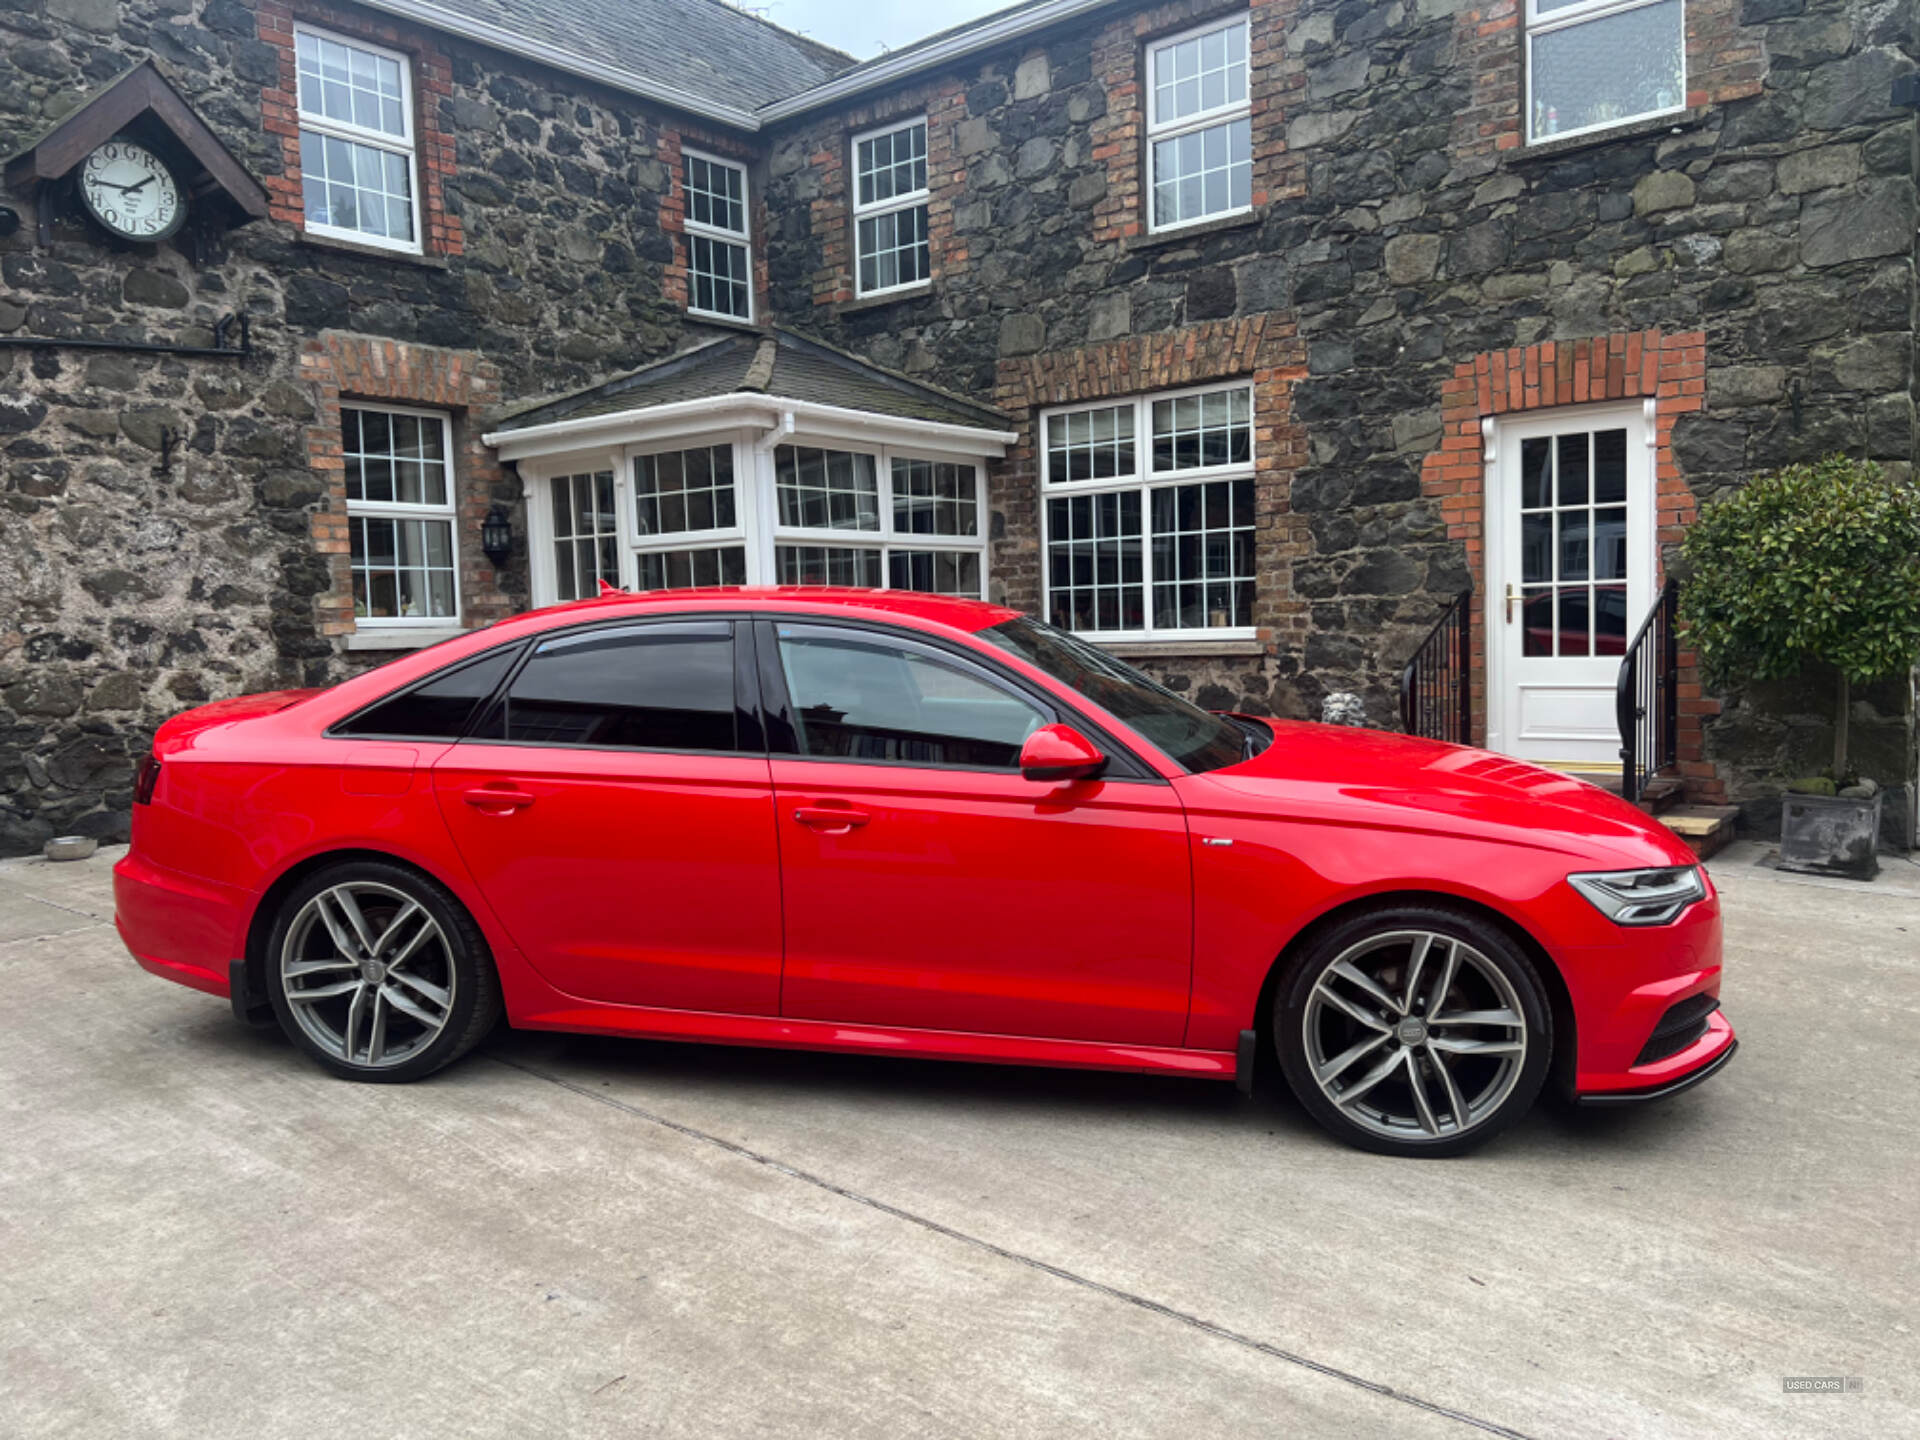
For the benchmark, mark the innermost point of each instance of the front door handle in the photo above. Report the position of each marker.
(830, 818)
(497, 799)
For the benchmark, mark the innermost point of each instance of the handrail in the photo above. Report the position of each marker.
(1436, 684)
(1646, 698)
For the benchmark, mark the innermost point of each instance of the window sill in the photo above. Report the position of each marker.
(402, 637)
(1154, 239)
(1183, 649)
(368, 252)
(890, 297)
(1672, 123)
(725, 322)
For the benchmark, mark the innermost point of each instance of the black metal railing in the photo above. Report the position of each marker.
(1436, 687)
(1647, 697)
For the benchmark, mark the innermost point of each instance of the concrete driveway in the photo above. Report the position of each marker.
(202, 1236)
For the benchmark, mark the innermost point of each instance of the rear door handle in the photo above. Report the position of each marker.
(830, 817)
(497, 798)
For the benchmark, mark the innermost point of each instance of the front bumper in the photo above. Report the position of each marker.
(1706, 1057)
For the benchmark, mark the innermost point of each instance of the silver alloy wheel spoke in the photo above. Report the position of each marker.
(1340, 1002)
(337, 971)
(1423, 1072)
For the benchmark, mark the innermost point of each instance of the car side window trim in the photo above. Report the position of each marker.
(783, 737)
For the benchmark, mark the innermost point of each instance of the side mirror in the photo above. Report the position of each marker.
(1059, 752)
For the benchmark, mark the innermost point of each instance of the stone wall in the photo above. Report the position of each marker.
(131, 587)
(1407, 229)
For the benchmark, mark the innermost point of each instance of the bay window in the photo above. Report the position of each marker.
(1199, 126)
(400, 516)
(1148, 515)
(357, 168)
(890, 208)
(1592, 64)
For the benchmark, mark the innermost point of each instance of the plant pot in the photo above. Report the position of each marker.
(1830, 835)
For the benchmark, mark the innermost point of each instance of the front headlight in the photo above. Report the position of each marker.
(1642, 897)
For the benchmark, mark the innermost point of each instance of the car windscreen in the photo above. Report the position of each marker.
(1190, 736)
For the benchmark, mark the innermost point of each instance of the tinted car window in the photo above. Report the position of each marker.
(856, 697)
(440, 708)
(1192, 737)
(641, 687)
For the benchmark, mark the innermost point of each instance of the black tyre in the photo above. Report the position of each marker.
(1413, 1030)
(378, 973)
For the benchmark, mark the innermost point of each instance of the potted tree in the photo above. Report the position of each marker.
(1811, 566)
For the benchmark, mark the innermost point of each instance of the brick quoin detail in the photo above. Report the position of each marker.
(1725, 61)
(674, 141)
(1118, 136)
(1262, 348)
(944, 103)
(1672, 369)
(343, 369)
(432, 79)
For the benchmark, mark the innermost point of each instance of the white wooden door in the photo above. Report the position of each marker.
(1570, 530)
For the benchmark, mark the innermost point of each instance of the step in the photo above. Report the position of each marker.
(1705, 828)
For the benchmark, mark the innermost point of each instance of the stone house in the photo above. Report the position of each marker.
(1244, 335)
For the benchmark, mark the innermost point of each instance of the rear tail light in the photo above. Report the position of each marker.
(144, 782)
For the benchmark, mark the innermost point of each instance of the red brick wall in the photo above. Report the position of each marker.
(432, 78)
(345, 368)
(1264, 349)
(1634, 365)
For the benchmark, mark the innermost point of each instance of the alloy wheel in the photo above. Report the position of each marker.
(1414, 1034)
(368, 974)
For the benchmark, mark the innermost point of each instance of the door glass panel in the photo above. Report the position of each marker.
(646, 687)
(1573, 544)
(1610, 544)
(439, 709)
(1536, 548)
(1609, 467)
(1610, 620)
(1573, 620)
(1536, 619)
(864, 699)
(1573, 469)
(1536, 466)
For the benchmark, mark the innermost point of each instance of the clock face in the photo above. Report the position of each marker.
(126, 188)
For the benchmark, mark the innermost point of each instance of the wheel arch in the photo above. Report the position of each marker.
(1565, 1050)
(267, 909)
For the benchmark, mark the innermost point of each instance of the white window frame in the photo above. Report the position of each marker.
(742, 237)
(408, 144)
(1144, 481)
(917, 199)
(1158, 130)
(1565, 19)
(394, 510)
(756, 507)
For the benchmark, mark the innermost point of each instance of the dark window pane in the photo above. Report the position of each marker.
(1535, 467)
(648, 687)
(1610, 620)
(1610, 544)
(1573, 620)
(860, 699)
(1536, 619)
(1573, 469)
(1610, 467)
(1536, 548)
(1573, 545)
(440, 708)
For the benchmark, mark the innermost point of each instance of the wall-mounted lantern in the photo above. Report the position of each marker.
(496, 535)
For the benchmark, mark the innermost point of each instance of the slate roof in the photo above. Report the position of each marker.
(704, 47)
(777, 363)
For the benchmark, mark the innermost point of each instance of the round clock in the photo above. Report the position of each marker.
(130, 192)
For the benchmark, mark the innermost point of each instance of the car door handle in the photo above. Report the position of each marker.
(830, 817)
(497, 799)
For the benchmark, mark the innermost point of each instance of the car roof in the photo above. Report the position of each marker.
(951, 611)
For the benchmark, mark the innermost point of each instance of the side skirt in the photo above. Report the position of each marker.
(771, 1031)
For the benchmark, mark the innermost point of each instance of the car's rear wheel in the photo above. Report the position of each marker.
(378, 973)
(1413, 1030)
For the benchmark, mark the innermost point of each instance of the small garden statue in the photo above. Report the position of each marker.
(1343, 707)
(1811, 565)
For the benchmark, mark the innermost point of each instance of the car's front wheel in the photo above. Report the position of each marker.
(378, 973)
(1413, 1030)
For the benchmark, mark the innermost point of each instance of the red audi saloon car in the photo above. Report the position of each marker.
(884, 821)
